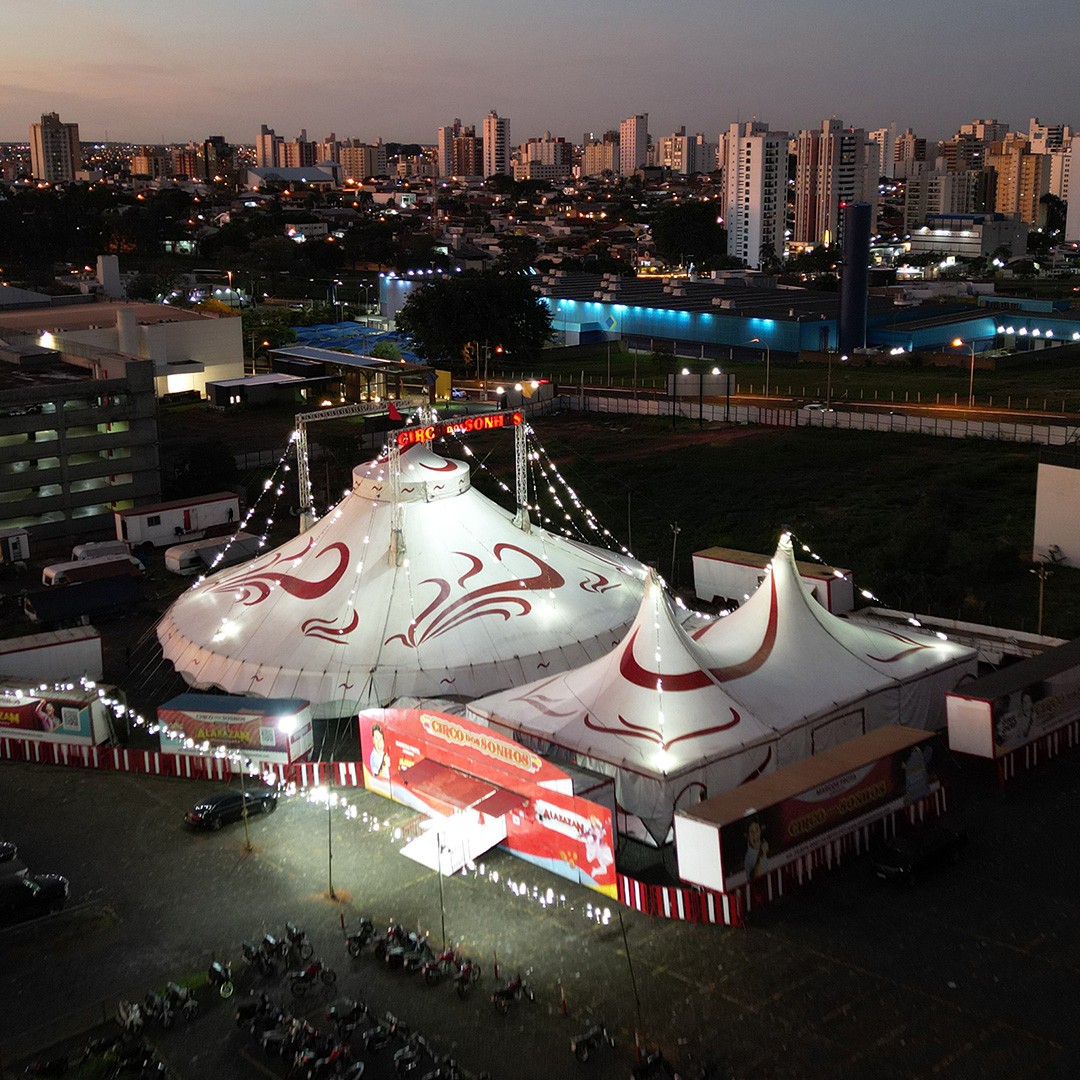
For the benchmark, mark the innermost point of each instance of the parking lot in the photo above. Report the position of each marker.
(972, 973)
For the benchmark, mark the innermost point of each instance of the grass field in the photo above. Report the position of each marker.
(930, 525)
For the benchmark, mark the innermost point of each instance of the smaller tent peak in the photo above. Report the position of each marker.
(424, 477)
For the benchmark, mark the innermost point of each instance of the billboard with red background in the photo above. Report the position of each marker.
(50, 717)
(548, 826)
(775, 835)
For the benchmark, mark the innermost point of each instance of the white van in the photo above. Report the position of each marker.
(97, 549)
(70, 573)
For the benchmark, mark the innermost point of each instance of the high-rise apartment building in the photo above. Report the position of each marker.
(685, 154)
(266, 149)
(633, 143)
(496, 145)
(361, 161)
(328, 150)
(755, 185)
(467, 154)
(55, 155)
(1047, 137)
(444, 147)
(886, 139)
(834, 165)
(546, 158)
(1023, 178)
(909, 155)
(985, 131)
(601, 155)
(938, 191)
(218, 158)
(298, 153)
(152, 161)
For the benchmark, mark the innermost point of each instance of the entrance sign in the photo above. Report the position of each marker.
(466, 426)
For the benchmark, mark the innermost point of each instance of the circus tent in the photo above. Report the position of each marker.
(421, 587)
(675, 717)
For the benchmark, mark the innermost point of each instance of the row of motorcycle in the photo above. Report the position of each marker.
(352, 1028)
(122, 1057)
(292, 955)
(161, 1008)
(411, 951)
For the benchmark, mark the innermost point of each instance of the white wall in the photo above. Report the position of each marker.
(1057, 512)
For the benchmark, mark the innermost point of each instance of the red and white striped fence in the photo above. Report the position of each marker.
(1037, 751)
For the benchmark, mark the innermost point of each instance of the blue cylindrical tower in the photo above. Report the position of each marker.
(854, 281)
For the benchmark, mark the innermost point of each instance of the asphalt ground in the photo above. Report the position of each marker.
(973, 972)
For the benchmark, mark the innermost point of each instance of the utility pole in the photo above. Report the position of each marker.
(675, 530)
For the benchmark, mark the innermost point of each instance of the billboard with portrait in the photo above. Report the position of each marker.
(52, 716)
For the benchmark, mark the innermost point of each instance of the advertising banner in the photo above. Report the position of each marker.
(570, 836)
(781, 833)
(251, 731)
(51, 717)
(1035, 710)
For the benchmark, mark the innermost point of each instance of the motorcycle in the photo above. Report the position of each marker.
(468, 973)
(395, 935)
(182, 999)
(514, 990)
(438, 966)
(583, 1046)
(130, 1017)
(314, 1065)
(409, 1057)
(297, 941)
(258, 958)
(654, 1066)
(408, 953)
(254, 1009)
(157, 1008)
(356, 941)
(345, 1014)
(305, 977)
(447, 1069)
(381, 1034)
(219, 976)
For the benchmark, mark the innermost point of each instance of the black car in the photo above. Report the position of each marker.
(30, 895)
(226, 806)
(912, 854)
(10, 863)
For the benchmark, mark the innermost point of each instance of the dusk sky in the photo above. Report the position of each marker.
(142, 71)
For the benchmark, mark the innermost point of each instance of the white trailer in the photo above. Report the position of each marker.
(168, 523)
(57, 656)
(728, 578)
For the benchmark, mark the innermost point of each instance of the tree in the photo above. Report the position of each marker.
(1055, 209)
(443, 316)
(689, 232)
(385, 350)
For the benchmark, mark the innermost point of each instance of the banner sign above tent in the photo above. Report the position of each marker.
(466, 426)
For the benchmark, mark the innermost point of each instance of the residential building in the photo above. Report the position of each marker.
(600, 155)
(55, 154)
(152, 161)
(360, 161)
(909, 155)
(685, 154)
(755, 186)
(1072, 220)
(298, 153)
(985, 131)
(468, 153)
(184, 161)
(546, 158)
(633, 143)
(886, 139)
(329, 149)
(444, 147)
(1047, 137)
(267, 155)
(969, 236)
(939, 192)
(834, 165)
(1023, 178)
(496, 145)
(218, 158)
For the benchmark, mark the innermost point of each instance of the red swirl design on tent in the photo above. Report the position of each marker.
(448, 466)
(499, 599)
(325, 629)
(639, 731)
(600, 585)
(764, 650)
(634, 673)
(916, 646)
(257, 583)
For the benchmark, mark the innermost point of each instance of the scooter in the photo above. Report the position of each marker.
(356, 941)
(468, 973)
(586, 1044)
(514, 990)
(219, 976)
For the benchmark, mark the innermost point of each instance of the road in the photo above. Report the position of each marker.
(973, 973)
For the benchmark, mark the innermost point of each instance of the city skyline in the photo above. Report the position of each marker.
(144, 74)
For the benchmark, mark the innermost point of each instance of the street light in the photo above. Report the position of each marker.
(765, 345)
(961, 343)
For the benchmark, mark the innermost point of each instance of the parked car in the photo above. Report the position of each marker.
(818, 406)
(226, 806)
(910, 855)
(30, 895)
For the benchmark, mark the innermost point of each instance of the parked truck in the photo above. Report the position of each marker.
(165, 524)
(76, 605)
